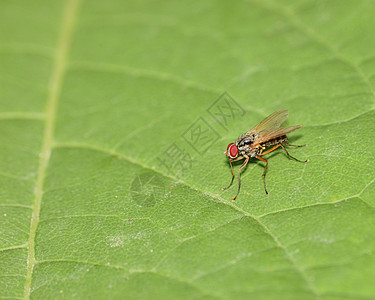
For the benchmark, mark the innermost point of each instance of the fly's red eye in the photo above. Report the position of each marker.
(232, 150)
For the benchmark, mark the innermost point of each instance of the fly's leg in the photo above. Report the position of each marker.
(287, 153)
(239, 177)
(270, 150)
(264, 172)
(231, 182)
(296, 146)
(231, 167)
(266, 161)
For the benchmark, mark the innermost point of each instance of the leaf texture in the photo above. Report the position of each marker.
(96, 99)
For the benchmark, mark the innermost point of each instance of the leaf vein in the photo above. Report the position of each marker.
(66, 32)
(291, 17)
(14, 247)
(135, 72)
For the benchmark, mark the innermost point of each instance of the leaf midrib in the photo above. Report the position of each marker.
(59, 66)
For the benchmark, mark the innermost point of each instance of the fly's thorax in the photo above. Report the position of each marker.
(244, 143)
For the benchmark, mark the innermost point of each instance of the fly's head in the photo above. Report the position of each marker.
(232, 151)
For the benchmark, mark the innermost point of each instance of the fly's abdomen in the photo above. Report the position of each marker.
(275, 141)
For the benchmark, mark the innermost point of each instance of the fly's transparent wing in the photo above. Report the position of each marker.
(272, 121)
(274, 133)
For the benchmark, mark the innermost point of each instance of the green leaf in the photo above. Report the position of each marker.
(99, 98)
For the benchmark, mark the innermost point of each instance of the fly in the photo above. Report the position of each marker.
(264, 138)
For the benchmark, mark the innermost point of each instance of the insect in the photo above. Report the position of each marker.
(253, 144)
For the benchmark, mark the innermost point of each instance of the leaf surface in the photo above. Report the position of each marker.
(108, 191)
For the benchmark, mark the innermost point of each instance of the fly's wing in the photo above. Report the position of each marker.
(274, 133)
(272, 121)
